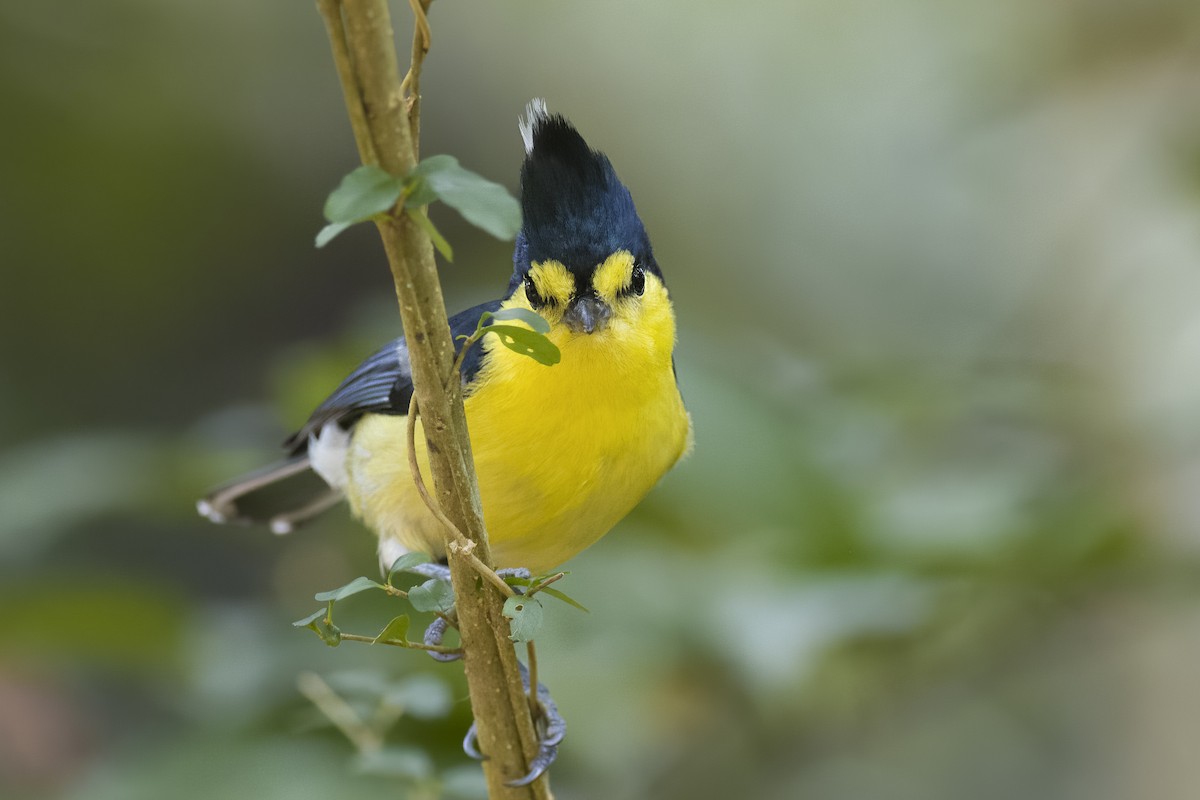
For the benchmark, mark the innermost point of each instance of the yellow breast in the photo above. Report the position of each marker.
(562, 453)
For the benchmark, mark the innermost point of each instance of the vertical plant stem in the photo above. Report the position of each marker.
(370, 78)
(422, 39)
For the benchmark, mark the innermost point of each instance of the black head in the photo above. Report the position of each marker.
(575, 209)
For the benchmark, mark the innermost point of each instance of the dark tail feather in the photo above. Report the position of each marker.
(283, 495)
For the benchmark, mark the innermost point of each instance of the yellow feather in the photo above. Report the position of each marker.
(562, 452)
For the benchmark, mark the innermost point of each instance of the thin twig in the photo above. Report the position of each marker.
(422, 39)
(483, 569)
(331, 12)
(415, 468)
(432, 648)
(338, 711)
(463, 546)
(555, 578)
(535, 708)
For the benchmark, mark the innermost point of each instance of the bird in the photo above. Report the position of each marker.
(562, 452)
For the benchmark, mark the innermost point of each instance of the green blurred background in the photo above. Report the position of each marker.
(937, 270)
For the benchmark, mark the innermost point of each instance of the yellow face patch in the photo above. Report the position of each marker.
(613, 275)
(553, 281)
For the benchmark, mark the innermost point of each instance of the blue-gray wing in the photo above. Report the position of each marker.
(383, 383)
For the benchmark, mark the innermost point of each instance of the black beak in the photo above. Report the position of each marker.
(587, 314)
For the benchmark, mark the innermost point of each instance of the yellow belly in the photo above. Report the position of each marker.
(562, 453)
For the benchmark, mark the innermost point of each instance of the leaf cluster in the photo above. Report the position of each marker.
(435, 595)
(370, 192)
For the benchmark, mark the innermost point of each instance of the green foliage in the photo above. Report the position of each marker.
(561, 595)
(540, 582)
(531, 318)
(406, 563)
(527, 343)
(321, 622)
(369, 191)
(434, 594)
(396, 630)
(353, 587)
(531, 341)
(525, 616)
(482, 203)
(362, 194)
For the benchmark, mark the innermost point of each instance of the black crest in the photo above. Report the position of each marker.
(575, 208)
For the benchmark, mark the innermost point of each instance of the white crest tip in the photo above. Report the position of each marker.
(280, 526)
(534, 112)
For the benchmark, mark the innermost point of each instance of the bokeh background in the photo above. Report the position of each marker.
(937, 270)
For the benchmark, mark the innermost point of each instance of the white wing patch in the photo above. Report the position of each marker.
(327, 454)
(535, 112)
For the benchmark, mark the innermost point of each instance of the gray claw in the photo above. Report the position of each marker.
(551, 730)
(433, 638)
(470, 744)
(432, 570)
(515, 572)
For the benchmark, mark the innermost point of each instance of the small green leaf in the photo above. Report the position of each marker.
(527, 343)
(321, 623)
(525, 614)
(418, 192)
(419, 216)
(406, 562)
(434, 594)
(353, 587)
(310, 619)
(482, 203)
(362, 194)
(561, 595)
(396, 630)
(530, 318)
(327, 234)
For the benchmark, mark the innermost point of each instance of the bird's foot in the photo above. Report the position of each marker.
(437, 629)
(440, 571)
(550, 726)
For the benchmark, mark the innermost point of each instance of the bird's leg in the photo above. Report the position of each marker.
(549, 724)
(441, 571)
(431, 569)
(433, 638)
(437, 629)
(551, 728)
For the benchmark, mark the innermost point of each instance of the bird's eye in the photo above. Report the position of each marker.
(638, 279)
(531, 293)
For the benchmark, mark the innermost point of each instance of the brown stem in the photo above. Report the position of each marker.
(362, 40)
